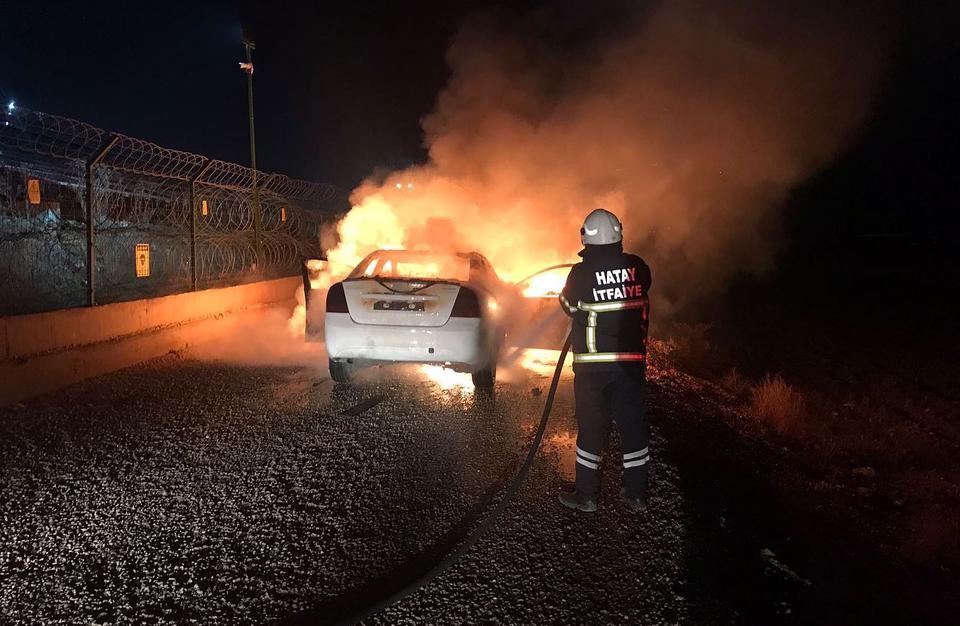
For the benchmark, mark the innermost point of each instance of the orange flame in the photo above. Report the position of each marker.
(543, 362)
(546, 285)
(446, 378)
(420, 210)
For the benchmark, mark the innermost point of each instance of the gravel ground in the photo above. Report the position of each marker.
(188, 491)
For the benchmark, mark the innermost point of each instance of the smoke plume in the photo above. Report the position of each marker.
(690, 120)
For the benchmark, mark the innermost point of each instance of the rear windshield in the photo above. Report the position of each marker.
(414, 264)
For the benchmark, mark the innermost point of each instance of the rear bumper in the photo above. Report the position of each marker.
(459, 342)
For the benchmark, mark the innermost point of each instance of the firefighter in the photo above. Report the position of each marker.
(606, 295)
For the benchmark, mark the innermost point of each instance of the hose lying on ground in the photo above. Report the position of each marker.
(488, 522)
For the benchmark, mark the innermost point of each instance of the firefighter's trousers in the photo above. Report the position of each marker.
(620, 396)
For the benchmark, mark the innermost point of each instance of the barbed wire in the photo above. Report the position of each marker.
(50, 135)
(61, 137)
(194, 214)
(137, 156)
(228, 175)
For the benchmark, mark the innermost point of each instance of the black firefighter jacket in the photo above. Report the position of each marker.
(607, 296)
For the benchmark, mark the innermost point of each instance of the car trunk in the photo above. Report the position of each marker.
(396, 302)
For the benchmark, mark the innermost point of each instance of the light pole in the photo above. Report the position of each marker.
(247, 67)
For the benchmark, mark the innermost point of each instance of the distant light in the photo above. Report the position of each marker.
(11, 106)
(409, 185)
(399, 186)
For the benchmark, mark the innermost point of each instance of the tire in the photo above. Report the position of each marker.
(484, 379)
(340, 372)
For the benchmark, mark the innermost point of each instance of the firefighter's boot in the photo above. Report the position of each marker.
(633, 501)
(578, 501)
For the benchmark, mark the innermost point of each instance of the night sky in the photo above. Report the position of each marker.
(340, 90)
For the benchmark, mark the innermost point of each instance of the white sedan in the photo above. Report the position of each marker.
(416, 307)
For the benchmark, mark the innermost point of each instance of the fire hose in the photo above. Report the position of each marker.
(488, 521)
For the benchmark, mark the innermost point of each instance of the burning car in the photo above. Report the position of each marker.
(407, 306)
(547, 327)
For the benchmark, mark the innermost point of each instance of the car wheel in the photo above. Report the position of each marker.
(485, 378)
(339, 372)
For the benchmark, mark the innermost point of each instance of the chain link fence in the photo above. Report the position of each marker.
(91, 217)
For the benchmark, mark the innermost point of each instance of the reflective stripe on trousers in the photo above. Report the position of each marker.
(587, 459)
(636, 459)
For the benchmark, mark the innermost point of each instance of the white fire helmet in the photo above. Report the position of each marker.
(600, 228)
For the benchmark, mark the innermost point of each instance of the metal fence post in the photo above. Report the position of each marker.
(193, 222)
(255, 198)
(91, 226)
(256, 223)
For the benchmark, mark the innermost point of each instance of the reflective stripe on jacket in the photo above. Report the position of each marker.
(607, 297)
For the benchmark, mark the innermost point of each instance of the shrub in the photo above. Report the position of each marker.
(777, 404)
(736, 384)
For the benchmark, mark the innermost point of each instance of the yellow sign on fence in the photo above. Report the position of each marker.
(283, 214)
(33, 191)
(203, 207)
(143, 260)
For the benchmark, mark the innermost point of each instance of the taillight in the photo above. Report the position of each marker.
(467, 304)
(336, 300)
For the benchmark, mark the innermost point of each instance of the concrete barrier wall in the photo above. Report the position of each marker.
(45, 351)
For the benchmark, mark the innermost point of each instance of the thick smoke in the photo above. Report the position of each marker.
(690, 120)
